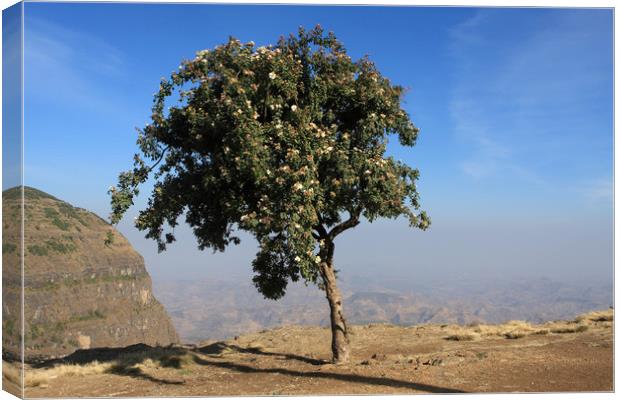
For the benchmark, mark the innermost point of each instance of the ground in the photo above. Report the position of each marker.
(513, 357)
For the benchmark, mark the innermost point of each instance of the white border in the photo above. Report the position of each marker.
(446, 3)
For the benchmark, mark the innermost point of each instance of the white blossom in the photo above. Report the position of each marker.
(297, 259)
(293, 108)
(272, 75)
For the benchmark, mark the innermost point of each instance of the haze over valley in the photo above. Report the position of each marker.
(221, 308)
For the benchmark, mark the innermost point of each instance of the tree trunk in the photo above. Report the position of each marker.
(340, 337)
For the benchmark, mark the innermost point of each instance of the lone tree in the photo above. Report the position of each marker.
(286, 142)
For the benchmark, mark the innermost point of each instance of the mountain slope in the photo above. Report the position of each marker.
(85, 286)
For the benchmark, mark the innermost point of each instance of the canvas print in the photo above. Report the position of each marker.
(229, 200)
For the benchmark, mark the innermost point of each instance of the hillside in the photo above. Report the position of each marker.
(574, 355)
(85, 286)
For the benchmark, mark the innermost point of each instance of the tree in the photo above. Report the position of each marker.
(286, 142)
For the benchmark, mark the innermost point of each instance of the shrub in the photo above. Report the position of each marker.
(62, 225)
(60, 247)
(8, 248)
(596, 316)
(515, 334)
(570, 329)
(461, 337)
(37, 250)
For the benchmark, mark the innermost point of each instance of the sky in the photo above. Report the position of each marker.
(515, 107)
(11, 89)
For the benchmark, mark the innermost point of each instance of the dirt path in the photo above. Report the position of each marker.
(387, 359)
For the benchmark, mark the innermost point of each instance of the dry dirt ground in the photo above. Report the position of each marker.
(513, 357)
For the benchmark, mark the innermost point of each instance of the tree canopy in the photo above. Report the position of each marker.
(286, 142)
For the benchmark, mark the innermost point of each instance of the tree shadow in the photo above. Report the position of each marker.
(220, 348)
(394, 383)
(124, 360)
(136, 372)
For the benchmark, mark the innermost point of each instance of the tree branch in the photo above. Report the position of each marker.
(320, 228)
(161, 157)
(350, 223)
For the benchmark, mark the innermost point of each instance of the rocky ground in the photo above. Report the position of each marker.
(574, 355)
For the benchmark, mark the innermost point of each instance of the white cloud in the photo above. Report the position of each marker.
(522, 97)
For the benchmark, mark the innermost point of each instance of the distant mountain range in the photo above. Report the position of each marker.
(223, 308)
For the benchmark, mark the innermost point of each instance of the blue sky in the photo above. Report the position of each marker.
(515, 108)
(11, 90)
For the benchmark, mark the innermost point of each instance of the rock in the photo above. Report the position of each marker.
(434, 362)
(85, 286)
(378, 357)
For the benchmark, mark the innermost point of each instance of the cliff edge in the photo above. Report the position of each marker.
(84, 285)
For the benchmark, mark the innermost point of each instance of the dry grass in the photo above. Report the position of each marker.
(11, 373)
(155, 358)
(462, 336)
(569, 328)
(38, 377)
(516, 334)
(596, 316)
(148, 359)
(509, 330)
(520, 329)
